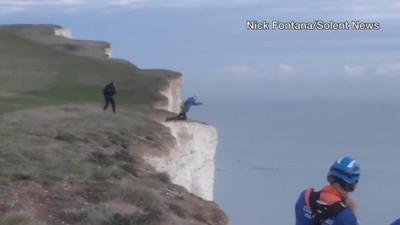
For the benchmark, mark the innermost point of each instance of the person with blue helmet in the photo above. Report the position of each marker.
(331, 205)
(185, 107)
(397, 222)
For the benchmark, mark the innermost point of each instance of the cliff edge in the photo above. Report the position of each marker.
(190, 162)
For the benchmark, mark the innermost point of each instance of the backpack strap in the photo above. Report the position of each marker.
(321, 211)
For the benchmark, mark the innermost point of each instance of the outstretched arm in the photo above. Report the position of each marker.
(197, 103)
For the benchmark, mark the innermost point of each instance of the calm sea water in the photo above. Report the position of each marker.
(270, 151)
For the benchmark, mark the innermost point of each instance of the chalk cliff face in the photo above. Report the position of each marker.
(173, 94)
(108, 52)
(83, 48)
(63, 32)
(190, 162)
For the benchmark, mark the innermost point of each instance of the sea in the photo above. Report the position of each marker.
(271, 150)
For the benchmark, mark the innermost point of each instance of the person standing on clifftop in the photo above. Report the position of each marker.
(331, 205)
(185, 107)
(109, 91)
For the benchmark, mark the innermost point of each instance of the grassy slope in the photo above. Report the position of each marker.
(40, 75)
(62, 159)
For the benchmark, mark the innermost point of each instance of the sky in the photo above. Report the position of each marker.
(208, 42)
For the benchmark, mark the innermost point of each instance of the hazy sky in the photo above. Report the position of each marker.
(207, 40)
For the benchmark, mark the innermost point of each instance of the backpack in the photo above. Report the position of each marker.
(183, 105)
(321, 211)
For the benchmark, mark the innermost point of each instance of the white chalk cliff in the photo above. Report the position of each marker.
(63, 32)
(85, 48)
(190, 163)
(108, 52)
(173, 94)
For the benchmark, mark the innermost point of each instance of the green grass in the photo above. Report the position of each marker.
(18, 219)
(177, 210)
(39, 75)
(152, 218)
(14, 220)
(72, 143)
(140, 197)
(200, 218)
(72, 215)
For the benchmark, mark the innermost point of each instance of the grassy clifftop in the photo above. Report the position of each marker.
(35, 73)
(65, 161)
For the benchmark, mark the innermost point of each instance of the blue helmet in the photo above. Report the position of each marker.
(346, 169)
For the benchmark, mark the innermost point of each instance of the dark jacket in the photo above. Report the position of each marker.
(109, 90)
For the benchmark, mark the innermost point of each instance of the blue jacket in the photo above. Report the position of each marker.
(303, 214)
(397, 222)
(185, 107)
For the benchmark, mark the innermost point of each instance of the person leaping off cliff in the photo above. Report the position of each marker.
(185, 107)
(109, 92)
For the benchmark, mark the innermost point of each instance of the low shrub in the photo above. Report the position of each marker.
(125, 156)
(163, 177)
(72, 215)
(177, 210)
(200, 218)
(100, 159)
